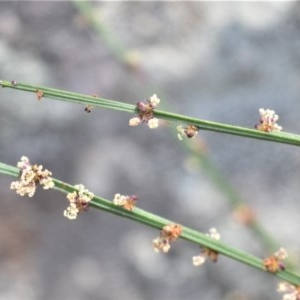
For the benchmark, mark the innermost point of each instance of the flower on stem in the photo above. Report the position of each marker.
(39, 94)
(30, 176)
(292, 292)
(169, 234)
(127, 202)
(88, 108)
(188, 131)
(267, 121)
(79, 201)
(206, 252)
(244, 214)
(274, 262)
(146, 113)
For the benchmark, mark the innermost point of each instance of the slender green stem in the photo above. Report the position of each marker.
(279, 137)
(152, 220)
(88, 12)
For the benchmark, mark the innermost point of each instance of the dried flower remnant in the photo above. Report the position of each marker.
(146, 113)
(127, 202)
(206, 252)
(267, 121)
(39, 94)
(188, 131)
(30, 176)
(79, 201)
(88, 108)
(292, 292)
(274, 262)
(244, 214)
(169, 234)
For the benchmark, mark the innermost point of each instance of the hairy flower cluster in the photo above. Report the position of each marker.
(274, 262)
(188, 131)
(292, 292)
(146, 109)
(267, 121)
(79, 201)
(206, 252)
(169, 234)
(30, 176)
(127, 202)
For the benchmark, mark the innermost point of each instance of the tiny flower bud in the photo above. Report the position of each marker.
(142, 106)
(274, 262)
(206, 252)
(79, 201)
(39, 94)
(188, 131)
(198, 260)
(127, 202)
(135, 121)
(169, 234)
(153, 123)
(244, 215)
(146, 113)
(268, 120)
(88, 108)
(292, 292)
(154, 100)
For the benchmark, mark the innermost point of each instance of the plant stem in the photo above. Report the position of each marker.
(87, 11)
(279, 137)
(152, 220)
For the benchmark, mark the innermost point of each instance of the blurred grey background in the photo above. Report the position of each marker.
(219, 61)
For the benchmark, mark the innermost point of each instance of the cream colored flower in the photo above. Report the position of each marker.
(153, 123)
(268, 119)
(292, 292)
(168, 234)
(79, 201)
(71, 212)
(127, 202)
(207, 252)
(30, 176)
(161, 244)
(198, 260)
(154, 100)
(146, 113)
(135, 121)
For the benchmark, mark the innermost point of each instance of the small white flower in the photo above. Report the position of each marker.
(268, 119)
(281, 254)
(214, 234)
(135, 121)
(154, 100)
(153, 123)
(199, 260)
(291, 292)
(71, 212)
(119, 199)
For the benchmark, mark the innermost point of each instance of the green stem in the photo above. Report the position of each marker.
(233, 197)
(152, 220)
(87, 11)
(279, 137)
